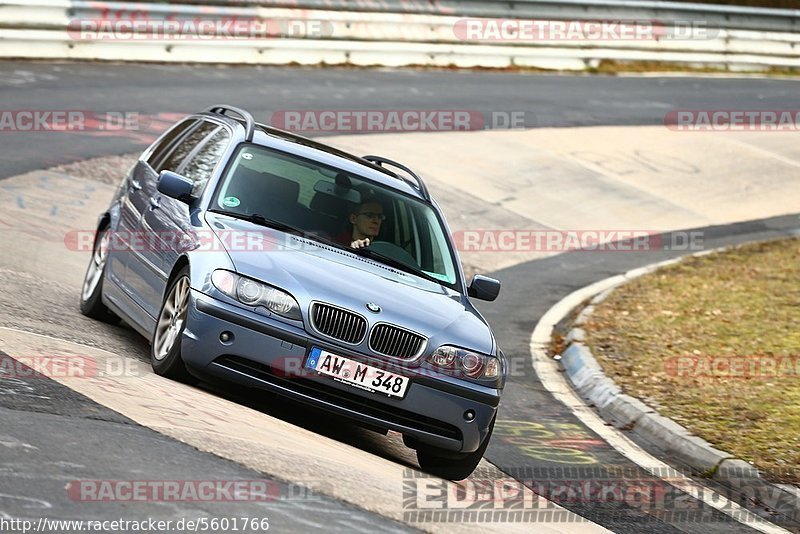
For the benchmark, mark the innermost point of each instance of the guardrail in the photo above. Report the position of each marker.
(720, 16)
(402, 32)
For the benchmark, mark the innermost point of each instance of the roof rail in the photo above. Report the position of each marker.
(419, 186)
(250, 122)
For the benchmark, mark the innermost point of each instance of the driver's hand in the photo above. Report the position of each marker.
(359, 243)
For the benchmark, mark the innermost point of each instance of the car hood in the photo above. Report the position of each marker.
(312, 271)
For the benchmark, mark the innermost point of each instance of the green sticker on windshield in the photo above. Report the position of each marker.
(230, 202)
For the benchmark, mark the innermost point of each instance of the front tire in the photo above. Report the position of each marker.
(452, 468)
(92, 289)
(165, 351)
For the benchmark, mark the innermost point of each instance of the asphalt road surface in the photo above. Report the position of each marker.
(61, 436)
(543, 100)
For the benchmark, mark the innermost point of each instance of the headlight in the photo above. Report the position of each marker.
(455, 360)
(253, 293)
(444, 356)
(249, 291)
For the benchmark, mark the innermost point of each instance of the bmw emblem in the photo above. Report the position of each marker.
(374, 308)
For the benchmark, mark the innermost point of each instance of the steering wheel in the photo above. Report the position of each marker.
(393, 251)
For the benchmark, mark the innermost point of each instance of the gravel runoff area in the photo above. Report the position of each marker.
(713, 343)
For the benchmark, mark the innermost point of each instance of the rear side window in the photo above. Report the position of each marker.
(162, 149)
(202, 164)
(185, 147)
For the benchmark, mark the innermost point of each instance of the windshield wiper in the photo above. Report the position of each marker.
(259, 219)
(278, 225)
(365, 251)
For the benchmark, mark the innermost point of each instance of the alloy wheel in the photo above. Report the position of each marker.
(95, 271)
(172, 319)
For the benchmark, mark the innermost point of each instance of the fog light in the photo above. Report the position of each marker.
(226, 337)
(469, 416)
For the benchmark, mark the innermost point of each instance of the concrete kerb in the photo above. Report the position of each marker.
(628, 413)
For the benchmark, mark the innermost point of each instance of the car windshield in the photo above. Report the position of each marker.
(338, 207)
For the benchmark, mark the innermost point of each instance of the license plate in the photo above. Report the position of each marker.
(357, 374)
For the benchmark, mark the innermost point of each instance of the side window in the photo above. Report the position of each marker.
(185, 147)
(160, 151)
(203, 163)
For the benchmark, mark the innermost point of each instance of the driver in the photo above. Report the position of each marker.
(366, 219)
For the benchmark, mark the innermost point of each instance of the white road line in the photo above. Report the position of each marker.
(554, 381)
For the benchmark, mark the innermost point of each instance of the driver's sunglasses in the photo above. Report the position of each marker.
(374, 216)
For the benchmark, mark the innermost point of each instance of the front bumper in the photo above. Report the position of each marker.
(269, 354)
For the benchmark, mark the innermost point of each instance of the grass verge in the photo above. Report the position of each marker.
(714, 343)
(625, 67)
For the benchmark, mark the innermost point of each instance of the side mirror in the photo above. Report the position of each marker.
(175, 186)
(483, 288)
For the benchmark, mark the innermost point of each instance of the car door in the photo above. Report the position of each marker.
(138, 271)
(164, 219)
(133, 203)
